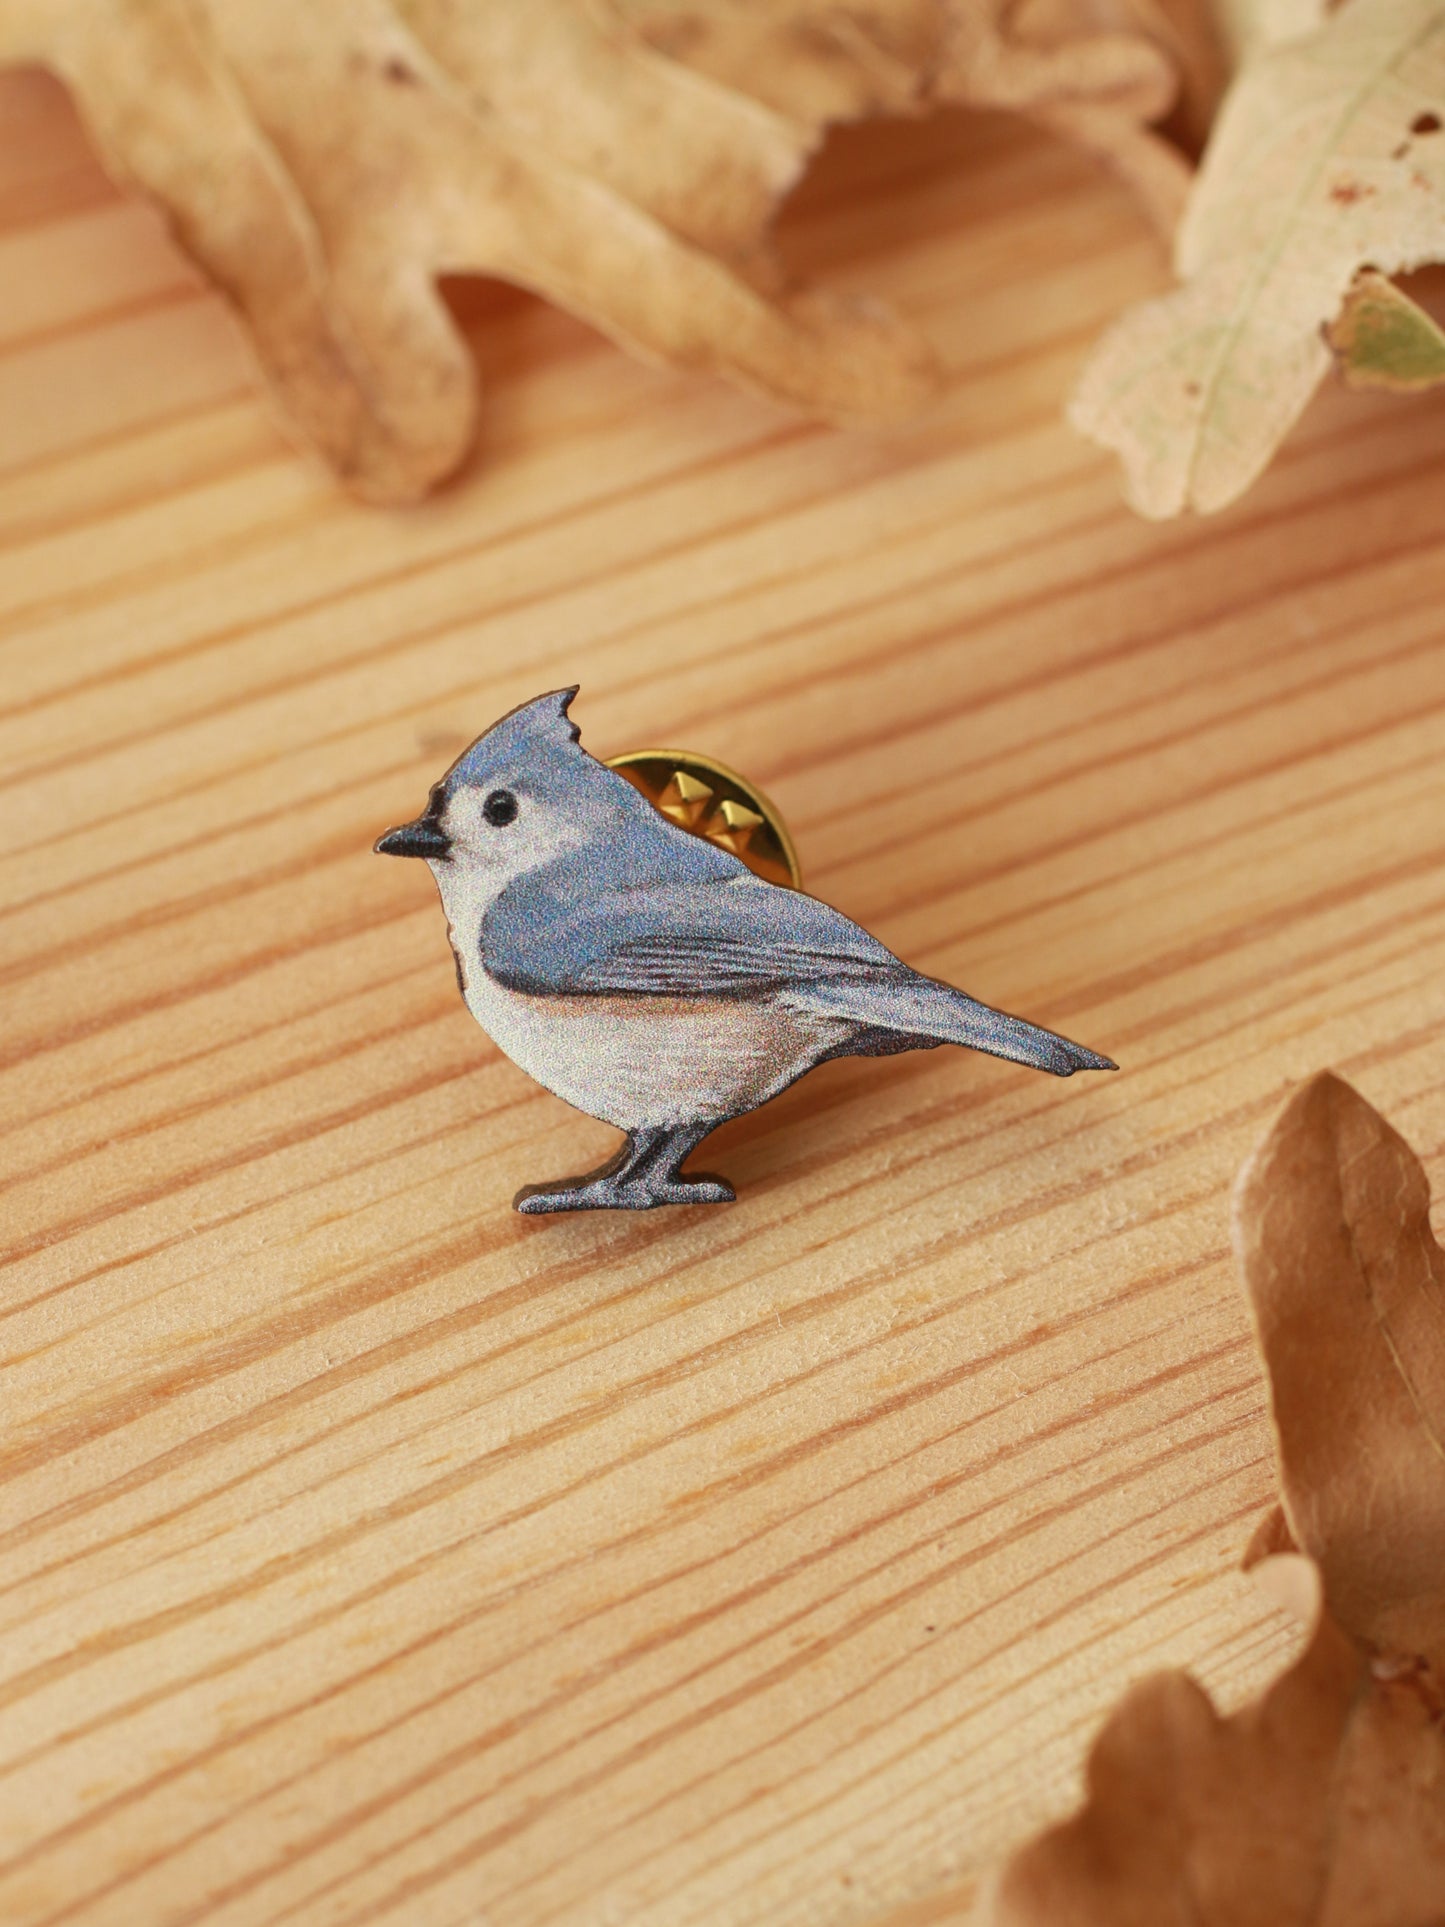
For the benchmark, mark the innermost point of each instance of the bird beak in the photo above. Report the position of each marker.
(425, 837)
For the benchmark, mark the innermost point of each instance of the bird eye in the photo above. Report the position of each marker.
(500, 809)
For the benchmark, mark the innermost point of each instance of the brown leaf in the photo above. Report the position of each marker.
(1347, 1288)
(1271, 1539)
(623, 158)
(326, 164)
(1096, 72)
(1321, 1804)
(816, 60)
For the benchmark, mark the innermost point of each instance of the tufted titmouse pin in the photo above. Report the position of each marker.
(648, 977)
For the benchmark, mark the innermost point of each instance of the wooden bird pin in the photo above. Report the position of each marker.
(645, 974)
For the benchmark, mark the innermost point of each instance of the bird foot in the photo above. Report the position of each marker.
(604, 1193)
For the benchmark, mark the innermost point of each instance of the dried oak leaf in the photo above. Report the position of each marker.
(1328, 156)
(326, 164)
(1321, 1804)
(1095, 72)
(818, 60)
(1251, 27)
(1347, 1289)
(623, 158)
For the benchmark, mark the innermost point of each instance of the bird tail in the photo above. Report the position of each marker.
(933, 1012)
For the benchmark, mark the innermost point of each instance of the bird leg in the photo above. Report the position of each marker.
(645, 1172)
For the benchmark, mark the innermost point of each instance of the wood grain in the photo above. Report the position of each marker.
(373, 1555)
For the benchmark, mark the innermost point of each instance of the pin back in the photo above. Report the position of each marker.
(714, 802)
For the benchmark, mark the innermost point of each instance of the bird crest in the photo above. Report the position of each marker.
(531, 731)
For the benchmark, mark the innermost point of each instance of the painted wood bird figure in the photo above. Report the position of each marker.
(647, 976)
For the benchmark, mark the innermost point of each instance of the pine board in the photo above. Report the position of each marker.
(373, 1555)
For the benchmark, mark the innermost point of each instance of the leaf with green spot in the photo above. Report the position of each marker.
(1383, 339)
(1329, 156)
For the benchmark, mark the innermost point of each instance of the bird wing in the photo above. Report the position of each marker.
(724, 933)
(719, 933)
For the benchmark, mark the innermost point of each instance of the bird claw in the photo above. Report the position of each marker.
(693, 1191)
(620, 1194)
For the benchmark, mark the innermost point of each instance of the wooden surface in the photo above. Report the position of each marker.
(373, 1555)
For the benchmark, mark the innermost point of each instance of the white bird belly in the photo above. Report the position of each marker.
(639, 1061)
